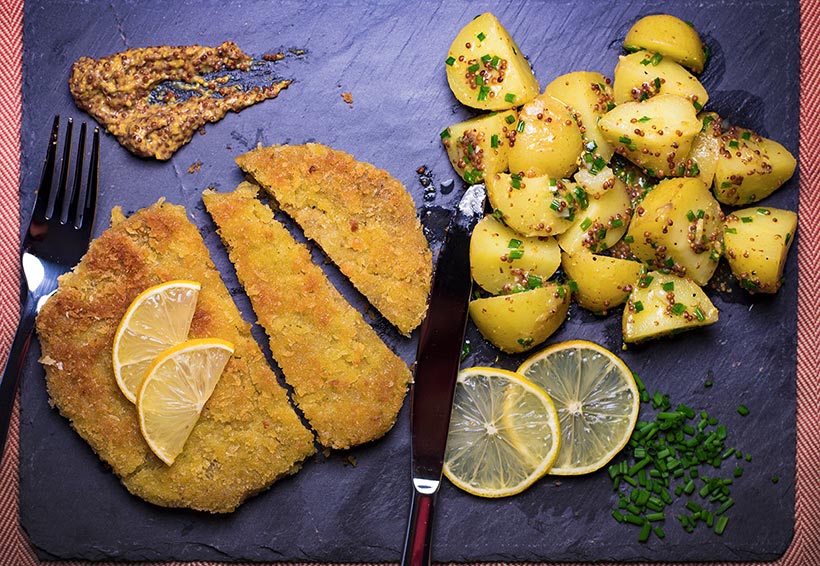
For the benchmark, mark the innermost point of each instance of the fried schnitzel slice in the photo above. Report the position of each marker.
(347, 382)
(364, 220)
(248, 435)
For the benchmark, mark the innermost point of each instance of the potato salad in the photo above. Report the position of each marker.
(621, 193)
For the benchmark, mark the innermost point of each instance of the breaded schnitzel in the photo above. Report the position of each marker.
(248, 435)
(364, 220)
(347, 382)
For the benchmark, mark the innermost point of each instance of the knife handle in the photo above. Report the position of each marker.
(419, 529)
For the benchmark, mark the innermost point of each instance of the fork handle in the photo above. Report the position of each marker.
(12, 370)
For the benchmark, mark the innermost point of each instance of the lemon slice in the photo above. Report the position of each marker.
(175, 389)
(503, 433)
(597, 401)
(160, 317)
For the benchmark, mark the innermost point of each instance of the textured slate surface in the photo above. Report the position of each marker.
(389, 55)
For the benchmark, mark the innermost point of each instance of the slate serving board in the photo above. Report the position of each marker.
(389, 54)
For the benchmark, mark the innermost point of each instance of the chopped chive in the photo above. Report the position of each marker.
(743, 410)
(515, 181)
(690, 216)
(514, 243)
(520, 127)
(509, 97)
(700, 316)
(450, 61)
(720, 526)
(509, 119)
(731, 230)
(644, 119)
(445, 134)
(586, 224)
(516, 254)
(534, 282)
(638, 305)
(573, 285)
(494, 141)
(668, 286)
(746, 219)
(481, 36)
(746, 135)
(657, 83)
(764, 211)
(734, 144)
(473, 68)
(483, 91)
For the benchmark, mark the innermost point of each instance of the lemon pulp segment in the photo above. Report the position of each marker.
(596, 398)
(175, 390)
(503, 433)
(157, 318)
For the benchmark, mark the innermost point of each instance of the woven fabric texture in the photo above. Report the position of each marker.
(805, 549)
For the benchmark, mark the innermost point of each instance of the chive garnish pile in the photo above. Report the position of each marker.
(679, 454)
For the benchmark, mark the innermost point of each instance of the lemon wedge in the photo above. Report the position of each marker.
(597, 401)
(160, 317)
(503, 433)
(175, 390)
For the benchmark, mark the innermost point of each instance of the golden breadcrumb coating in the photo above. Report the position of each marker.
(364, 220)
(248, 435)
(347, 382)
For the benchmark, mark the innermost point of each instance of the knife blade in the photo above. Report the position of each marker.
(437, 361)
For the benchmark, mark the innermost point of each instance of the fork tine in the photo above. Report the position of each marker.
(57, 200)
(85, 216)
(47, 176)
(73, 210)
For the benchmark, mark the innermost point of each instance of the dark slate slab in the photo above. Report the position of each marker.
(389, 55)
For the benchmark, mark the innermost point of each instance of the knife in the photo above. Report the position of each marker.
(437, 361)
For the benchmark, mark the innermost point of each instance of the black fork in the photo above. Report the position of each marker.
(57, 237)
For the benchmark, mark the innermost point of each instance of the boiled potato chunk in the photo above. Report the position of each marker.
(480, 147)
(703, 157)
(588, 96)
(750, 167)
(662, 304)
(757, 242)
(669, 36)
(548, 140)
(533, 206)
(602, 219)
(654, 134)
(486, 69)
(501, 260)
(602, 282)
(515, 323)
(677, 227)
(641, 75)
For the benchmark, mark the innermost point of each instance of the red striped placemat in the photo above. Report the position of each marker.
(805, 549)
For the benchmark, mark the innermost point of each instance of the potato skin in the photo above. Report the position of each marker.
(501, 260)
(750, 167)
(655, 134)
(533, 206)
(669, 36)
(518, 322)
(757, 242)
(602, 282)
(601, 220)
(548, 140)
(479, 147)
(662, 304)
(588, 96)
(489, 73)
(641, 75)
(678, 227)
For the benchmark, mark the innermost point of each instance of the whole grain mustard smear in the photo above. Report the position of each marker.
(115, 91)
